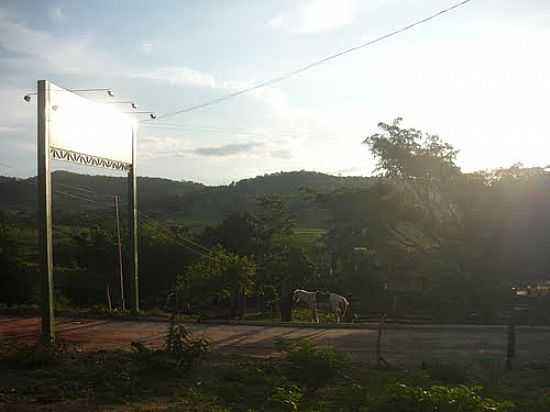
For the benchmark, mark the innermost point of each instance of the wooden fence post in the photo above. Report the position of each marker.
(511, 344)
(380, 361)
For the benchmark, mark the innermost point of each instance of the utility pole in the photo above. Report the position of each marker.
(123, 300)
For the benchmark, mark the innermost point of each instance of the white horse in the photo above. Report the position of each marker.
(330, 302)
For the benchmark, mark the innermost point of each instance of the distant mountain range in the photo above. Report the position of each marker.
(178, 201)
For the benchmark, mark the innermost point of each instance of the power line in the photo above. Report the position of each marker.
(192, 245)
(79, 188)
(311, 65)
(32, 182)
(75, 196)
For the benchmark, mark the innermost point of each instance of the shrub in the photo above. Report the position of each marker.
(405, 398)
(180, 351)
(353, 397)
(180, 344)
(314, 367)
(285, 398)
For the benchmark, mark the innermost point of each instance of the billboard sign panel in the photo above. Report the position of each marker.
(80, 129)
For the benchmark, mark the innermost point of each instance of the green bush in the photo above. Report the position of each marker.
(181, 350)
(182, 346)
(405, 398)
(285, 398)
(314, 367)
(353, 397)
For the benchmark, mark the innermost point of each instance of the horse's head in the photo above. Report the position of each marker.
(296, 297)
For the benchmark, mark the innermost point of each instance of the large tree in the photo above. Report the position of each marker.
(417, 225)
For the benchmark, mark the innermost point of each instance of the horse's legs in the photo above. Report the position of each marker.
(315, 316)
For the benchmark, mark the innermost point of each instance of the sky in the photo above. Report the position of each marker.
(479, 77)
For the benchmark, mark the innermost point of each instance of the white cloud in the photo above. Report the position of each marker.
(315, 16)
(154, 146)
(56, 53)
(180, 76)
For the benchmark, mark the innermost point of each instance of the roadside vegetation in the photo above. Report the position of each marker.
(303, 377)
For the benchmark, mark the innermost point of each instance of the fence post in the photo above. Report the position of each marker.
(380, 361)
(511, 343)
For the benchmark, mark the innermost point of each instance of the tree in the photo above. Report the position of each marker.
(15, 280)
(411, 154)
(237, 233)
(275, 222)
(220, 277)
(285, 267)
(283, 264)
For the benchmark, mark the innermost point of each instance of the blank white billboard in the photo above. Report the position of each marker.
(79, 125)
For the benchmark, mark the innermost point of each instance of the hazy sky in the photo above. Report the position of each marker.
(479, 77)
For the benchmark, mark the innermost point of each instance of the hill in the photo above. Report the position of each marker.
(179, 201)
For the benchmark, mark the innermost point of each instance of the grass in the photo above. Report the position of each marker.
(299, 315)
(94, 312)
(64, 379)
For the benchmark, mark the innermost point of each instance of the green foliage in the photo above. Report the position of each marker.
(152, 379)
(406, 398)
(180, 344)
(274, 219)
(314, 367)
(16, 281)
(285, 398)
(219, 276)
(180, 352)
(410, 153)
(237, 233)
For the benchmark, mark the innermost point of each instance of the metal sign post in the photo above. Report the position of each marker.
(45, 216)
(132, 227)
(78, 130)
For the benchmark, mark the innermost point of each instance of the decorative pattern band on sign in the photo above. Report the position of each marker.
(88, 160)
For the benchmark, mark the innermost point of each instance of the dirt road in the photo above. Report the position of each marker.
(406, 345)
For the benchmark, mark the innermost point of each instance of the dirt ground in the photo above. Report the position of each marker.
(401, 345)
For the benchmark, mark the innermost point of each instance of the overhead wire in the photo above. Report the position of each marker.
(309, 66)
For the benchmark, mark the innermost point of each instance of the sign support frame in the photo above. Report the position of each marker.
(45, 152)
(45, 239)
(132, 227)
